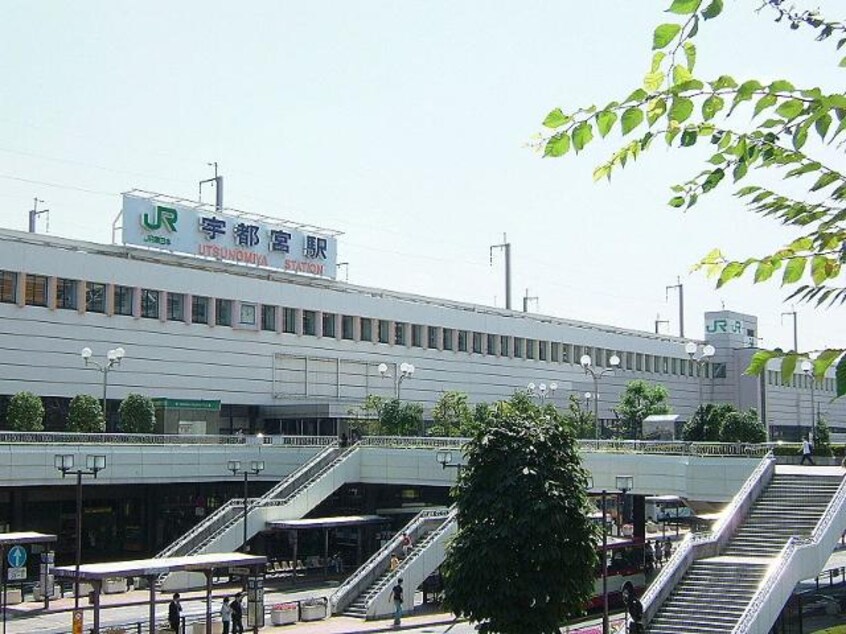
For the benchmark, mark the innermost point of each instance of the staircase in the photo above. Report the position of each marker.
(726, 590)
(360, 594)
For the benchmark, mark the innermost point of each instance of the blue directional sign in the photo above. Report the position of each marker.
(16, 556)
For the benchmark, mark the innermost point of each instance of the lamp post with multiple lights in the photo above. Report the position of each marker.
(541, 391)
(808, 370)
(93, 465)
(707, 351)
(256, 467)
(406, 371)
(113, 359)
(587, 363)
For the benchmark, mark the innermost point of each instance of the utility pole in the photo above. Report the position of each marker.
(528, 299)
(680, 287)
(659, 321)
(793, 314)
(506, 246)
(35, 212)
(218, 187)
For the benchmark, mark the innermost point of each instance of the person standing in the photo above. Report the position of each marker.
(237, 615)
(397, 595)
(806, 452)
(659, 554)
(226, 615)
(668, 549)
(174, 613)
(406, 545)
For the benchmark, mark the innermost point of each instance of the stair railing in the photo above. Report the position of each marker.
(776, 582)
(366, 570)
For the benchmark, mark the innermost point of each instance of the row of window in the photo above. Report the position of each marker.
(802, 381)
(313, 323)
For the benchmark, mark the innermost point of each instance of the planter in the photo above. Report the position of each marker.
(313, 612)
(284, 616)
(114, 586)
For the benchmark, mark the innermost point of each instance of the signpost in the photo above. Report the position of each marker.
(255, 602)
(77, 622)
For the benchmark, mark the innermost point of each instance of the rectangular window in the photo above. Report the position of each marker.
(719, 370)
(289, 320)
(36, 290)
(639, 362)
(598, 357)
(674, 366)
(347, 328)
(123, 299)
(565, 353)
(223, 312)
(8, 287)
(647, 363)
(462, 340)
(491, 342)
(384, 331)
(666, 365)
(309, 323)
(542, 354)
(268, 317)
(629, 360)
(199, 309)
(589, 352)
(577, 354)
(477, 342)
(417, 335)
(328, 324)
(149, 303)
(66, 294)
(530, 348)
(95, 297)
(446, 338)
(432, 337)
(399, 333)
(366, 329)
(175, 307)
(518, 347)
(504, 347)
(555, 352)
(707, 367)
(247, 315)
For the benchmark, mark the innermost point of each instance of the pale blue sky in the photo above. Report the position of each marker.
(403, 124)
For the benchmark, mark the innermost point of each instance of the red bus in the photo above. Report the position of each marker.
(625, 571)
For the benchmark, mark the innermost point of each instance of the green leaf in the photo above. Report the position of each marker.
(819, 269)
(782, 85)
(822, 124)
(681, 109)
(602, 171)
(724, 81)
(711, 106)
(681, 75)
(800, 136)
(582, 135)
(690, 54)
(689, 137)
(790, 109)
(793, 271)
(740, 170)
(717, 159)
(657, 58)
(840, 376)
(824, 360)
(759, 360)
(764, 271)
(730, 271)
(558, 145)
(825, 179)
(764, 102)
(684, 7)
(653, 81)
(843, 63)
(713, 10)
(638, 95)
(556, 119)
(664, 34)
(655, 109)
(632, 118)
(605, 121)
(713, 179)
(788, 366)
(676, 201)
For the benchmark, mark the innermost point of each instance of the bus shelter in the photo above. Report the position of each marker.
(151, 569)
(13, 558)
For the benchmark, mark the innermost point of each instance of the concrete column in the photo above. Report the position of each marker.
(298, 321)
(280, 319)
(356, 329)
(81, 297)
(162, 305)
(52, 292)
(392, 332)
(338, 326)
(186, 307)
(20, 292)
(136, 303)
(212, 312)
(110, 299)
(318, 323)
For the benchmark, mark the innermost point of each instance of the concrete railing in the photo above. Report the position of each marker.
(61, 438)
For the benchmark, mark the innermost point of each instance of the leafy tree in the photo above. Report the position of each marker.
(85, 415)
(639, 400)
(523, 559)
(25, 412)
(792, 128)
(822, 442)
(452, 416)
(137, 414)
(580, 419)
(707, 423)
(743, 427)
(389, 417)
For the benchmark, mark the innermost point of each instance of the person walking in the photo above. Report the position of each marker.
(406, 545)
(237, 615)
(174, 613)
(226, 615)
(397, 596)
(648, 559)
(668, 549)
(395, 562)
(806, 452)
(659, 554)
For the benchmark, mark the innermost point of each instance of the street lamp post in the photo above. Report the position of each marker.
(256, 467)
(113, 359)
(706, 353)
(587, 363)
(406, 371)
(445, 459)
(808, 370)
(541, 391)
(93, 465)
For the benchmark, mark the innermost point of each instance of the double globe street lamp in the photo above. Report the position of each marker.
(807, 368)
(705, 353)
(113, 359)
(256, 467)
(587, 363)
(406, 371)
(541, 391)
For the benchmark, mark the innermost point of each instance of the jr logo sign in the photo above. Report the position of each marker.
(165, 217)
(724, 325)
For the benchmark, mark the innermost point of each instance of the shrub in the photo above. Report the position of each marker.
(137, 414)
(25, 412)
(85, 415)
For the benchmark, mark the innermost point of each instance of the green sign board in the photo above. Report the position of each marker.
(182, 403)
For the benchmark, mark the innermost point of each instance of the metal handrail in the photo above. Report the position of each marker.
(390, 546)
(42, 438)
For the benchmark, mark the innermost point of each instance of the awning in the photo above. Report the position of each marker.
(155, 567)
(26, 537)
(327, 522)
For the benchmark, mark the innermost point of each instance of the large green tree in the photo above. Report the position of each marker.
(580, 419)
(743, 427)
(452, 416)
(524, 558)
(389, 417)
(706, 425)
(85, 415)
(137, 414)
(794, 131)
(25, 412)
(639, 400)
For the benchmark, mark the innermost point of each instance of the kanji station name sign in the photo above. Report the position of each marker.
(249, 240)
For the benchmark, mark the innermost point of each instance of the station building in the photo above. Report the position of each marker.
(232, 321)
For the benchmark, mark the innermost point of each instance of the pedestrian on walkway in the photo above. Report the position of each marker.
(659, 554)
(395, 562)
(406, 545)
(226, 615)
(668, 549)
(174, 612)
(397, 595)
(806, 452)
(237, 615)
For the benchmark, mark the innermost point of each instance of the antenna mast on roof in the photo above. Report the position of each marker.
(680, 288)
(35, 212)
(527, 299)
(506, 246)
(218, 187)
